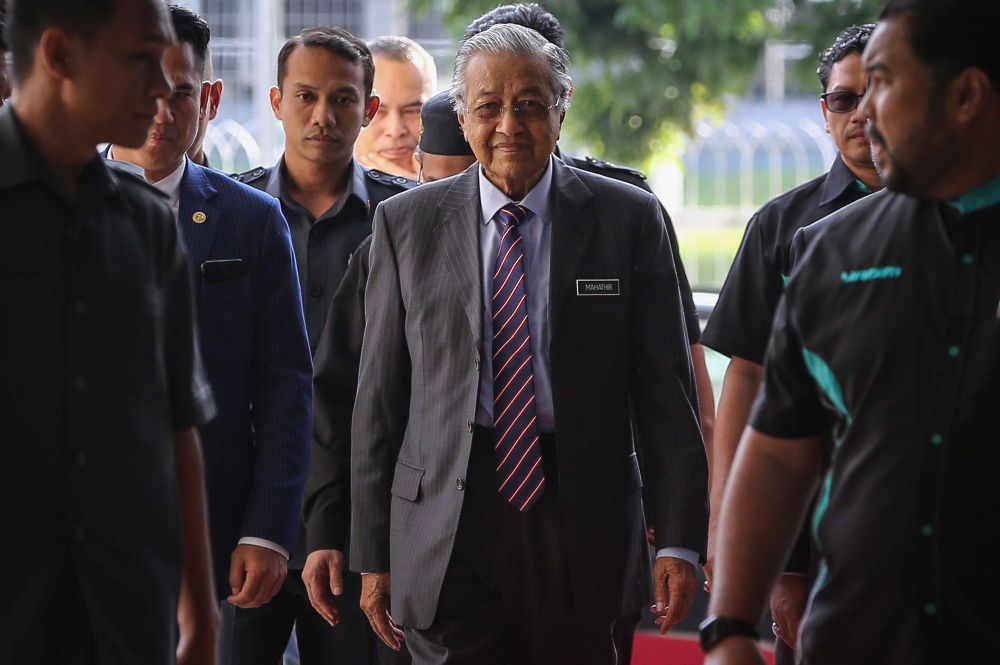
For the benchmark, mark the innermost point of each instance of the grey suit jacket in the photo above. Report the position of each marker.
(620, 370)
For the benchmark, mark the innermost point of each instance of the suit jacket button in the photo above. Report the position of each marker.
(470, 426)
(460, 484)
(315, 290)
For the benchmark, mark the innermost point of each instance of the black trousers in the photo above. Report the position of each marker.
(623, 631)
(506, 597)
(259, 636)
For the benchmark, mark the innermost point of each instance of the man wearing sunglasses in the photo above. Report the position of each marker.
(741, 322)
(882, 378)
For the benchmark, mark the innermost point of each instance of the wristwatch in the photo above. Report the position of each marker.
(714, 629)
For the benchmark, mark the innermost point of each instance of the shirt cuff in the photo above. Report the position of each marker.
(261, 542)
(679, 553)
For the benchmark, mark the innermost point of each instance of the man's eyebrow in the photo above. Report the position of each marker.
(528, 90)
(184, 87)
(340, 91)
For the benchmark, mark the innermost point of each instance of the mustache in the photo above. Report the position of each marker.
(322, 133)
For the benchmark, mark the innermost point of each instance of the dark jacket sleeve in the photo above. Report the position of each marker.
(280, 391)
(665, 418)
(326, 507)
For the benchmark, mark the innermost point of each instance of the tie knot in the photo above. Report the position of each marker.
(512, 213)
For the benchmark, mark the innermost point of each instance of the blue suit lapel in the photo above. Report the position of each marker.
(197, 215)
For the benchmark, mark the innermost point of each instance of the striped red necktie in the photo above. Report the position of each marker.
(520, 475)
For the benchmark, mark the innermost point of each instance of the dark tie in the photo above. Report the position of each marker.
(520, 476)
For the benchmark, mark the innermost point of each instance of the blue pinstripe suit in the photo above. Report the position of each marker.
(258, 361)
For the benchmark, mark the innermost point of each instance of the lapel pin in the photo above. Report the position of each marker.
(199, 217)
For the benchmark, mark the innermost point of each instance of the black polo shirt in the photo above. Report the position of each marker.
(323, 245)
(98, 368)
(741, 321)
(888, 338)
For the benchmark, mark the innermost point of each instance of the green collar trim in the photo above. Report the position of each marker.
(860, 184)
(979, 198)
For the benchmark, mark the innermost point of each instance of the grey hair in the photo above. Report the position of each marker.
(511, 39)
(404, 49)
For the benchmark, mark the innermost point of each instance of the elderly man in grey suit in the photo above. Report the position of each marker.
(524, 335)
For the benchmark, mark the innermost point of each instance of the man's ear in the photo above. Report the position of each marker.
(215, 98)
(371, 108)
(275, 96)
(204, 102)
(826, 111)
(967, 94)
(58, 53)
(461, 123)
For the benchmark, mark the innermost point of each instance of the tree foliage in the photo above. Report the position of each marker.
(644, 68)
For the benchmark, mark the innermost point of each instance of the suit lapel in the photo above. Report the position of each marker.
(457, 233)
(197, 203)
(572, 230)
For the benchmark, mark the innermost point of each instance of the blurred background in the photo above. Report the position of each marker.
(715, 100)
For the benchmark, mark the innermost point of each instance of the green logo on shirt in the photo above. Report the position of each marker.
(869, 274)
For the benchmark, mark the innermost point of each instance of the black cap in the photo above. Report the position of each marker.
(440, 133)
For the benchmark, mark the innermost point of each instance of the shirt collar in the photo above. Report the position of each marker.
(277, 186)
(537, 200)
(171, 184)
(838, 180)
(21, 163)
(982, 197)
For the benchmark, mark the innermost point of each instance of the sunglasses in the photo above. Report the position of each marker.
(841, 101)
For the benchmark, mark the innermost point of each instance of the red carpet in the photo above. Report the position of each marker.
(673, 649)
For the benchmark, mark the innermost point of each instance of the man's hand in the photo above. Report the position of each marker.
(375, 604)
(675, 583)
(323, 575)
(788, 604)
(255, 575)
(736, 650)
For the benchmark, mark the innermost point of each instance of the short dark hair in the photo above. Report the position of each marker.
(334, 39)
(191, 29)
(850, 41)
(3, 21)
(529, 15)
(949, 37)
(28, 19)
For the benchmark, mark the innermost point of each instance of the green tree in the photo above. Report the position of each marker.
(645, 68)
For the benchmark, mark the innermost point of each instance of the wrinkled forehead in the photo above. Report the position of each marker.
(489, 74)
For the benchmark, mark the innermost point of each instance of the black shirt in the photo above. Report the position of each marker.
(98, 367)
(888, 337)
(323, 246)
(741, 321)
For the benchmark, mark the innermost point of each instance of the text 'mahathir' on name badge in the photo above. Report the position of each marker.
(597, 287)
